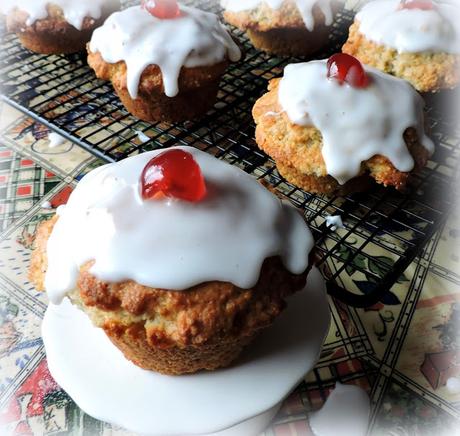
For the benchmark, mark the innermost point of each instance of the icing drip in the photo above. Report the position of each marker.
(171, 244)
(345, 413)
(142, 136)
(134, 36)
(453, 385)
(334, 222)
(74, 11)
(356, 123)
(411, 30)
(305, 8)
(55, 140)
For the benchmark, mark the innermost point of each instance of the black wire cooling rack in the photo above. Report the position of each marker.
(384, 230)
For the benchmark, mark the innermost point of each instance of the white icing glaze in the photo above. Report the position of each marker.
(453, 385)
(74, 10)
(142, 136)
(193, 404)
(334, 222)
(194, 39)
(55, 140)
(356, 123)
(345, 413)
(305, 8)
(172, 244)
(411, 30)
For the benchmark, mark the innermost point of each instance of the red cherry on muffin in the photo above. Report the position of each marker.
(346, 68)
(164, 9)
(174, 174)
(424, 5)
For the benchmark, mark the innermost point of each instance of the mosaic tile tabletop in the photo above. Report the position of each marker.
(401, 351)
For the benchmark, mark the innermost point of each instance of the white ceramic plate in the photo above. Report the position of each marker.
(110, 388)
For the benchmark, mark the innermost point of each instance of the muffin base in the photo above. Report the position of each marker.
(198, 88)
(323, 185)
(282, 31)
(290, 41)
(157, 107)
(69, 41)
(133, 343)
(292, 344)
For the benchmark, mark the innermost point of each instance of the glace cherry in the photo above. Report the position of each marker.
(174, 173)
(346, 68)
(164, 9)
(424, 5)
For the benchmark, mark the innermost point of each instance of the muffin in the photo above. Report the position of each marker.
(283, 27)
(57, 26)
(418, 41)
(180, 258)
(332, 125)
(164, 65)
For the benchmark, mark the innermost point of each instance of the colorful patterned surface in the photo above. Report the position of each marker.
(400, 350)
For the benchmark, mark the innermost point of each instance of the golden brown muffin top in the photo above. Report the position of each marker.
(195, 316)
(427, 72)
(264, 18)
(301, 146)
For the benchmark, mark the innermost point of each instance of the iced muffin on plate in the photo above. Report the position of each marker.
(416, 40)
(331, 124)
(56, 26)
(180, 258)
(283, 27)
(165, 61)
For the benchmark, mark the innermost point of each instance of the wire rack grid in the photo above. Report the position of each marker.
(384, 229)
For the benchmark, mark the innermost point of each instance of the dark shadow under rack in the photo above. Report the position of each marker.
(385, 230)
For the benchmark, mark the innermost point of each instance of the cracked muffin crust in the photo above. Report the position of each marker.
(298, 151)
(426, 72)
(54, 34)
(282, 31)
(415, 41)
(204, 327)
